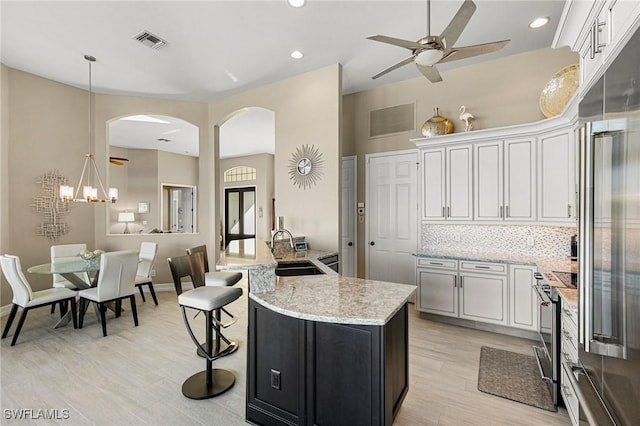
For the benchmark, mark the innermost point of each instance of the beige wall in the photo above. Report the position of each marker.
(498, 93)
(263, 163)
(307, 110)
(5, 291)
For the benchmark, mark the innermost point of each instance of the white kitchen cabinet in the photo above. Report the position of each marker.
(556, 177)
(438, 291)
(446, 183)
(523, 302)
(504, 180)
(483, 297)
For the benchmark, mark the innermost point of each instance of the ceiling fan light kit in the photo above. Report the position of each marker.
(431, 50)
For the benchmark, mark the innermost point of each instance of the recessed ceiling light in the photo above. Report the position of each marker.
(539, 22)
(296, 54)
(296, 3)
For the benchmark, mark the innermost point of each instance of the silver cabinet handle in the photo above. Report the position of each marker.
(460, 282)
(435, 263)
(566, 388)
(597, 29)
(592, 42)
(481, 267)
(448, 211)
(568, 210)
(507, 212)
(501, 212)
(443, 215)
(455, 281)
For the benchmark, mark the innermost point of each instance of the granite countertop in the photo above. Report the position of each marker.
(328, 297)
(337, 299)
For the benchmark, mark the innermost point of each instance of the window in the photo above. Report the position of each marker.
(239, 174)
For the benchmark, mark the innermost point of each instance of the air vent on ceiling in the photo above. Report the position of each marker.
(391, 120)
(150, 40)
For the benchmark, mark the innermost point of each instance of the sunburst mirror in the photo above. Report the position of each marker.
(305, 166)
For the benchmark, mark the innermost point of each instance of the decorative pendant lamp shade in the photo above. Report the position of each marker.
(89, 170)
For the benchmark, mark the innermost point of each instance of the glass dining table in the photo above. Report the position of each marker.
(73, 272)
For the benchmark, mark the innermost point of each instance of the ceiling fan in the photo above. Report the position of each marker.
(118, 161)
(432, 50)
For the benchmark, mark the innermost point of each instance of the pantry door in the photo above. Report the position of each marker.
(392, 216)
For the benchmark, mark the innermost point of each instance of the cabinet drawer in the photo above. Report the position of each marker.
(569, 396)
(568, 352)
(428, 262)
(494, 268)
(570, 317)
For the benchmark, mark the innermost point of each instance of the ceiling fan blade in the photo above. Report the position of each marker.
(475, 50)
(116, 162)
(431, 72)
(119, 158)
(411, 45)
(459, 22)
(393, 67)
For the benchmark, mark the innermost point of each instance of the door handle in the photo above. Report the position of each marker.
(372, 243)
(350, 244)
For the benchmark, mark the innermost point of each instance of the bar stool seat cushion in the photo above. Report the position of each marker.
(222, 278)
(209, 298)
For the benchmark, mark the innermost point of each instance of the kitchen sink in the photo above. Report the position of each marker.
(293, 269)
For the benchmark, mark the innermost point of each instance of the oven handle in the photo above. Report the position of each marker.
(536, 352)
(542, 295)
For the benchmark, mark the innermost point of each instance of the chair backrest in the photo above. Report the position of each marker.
(190, 265)
(146, 258)
(12, 271)
(64, 253)
(117, 274)
(201, 249)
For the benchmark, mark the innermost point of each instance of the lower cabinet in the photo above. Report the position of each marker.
(523, 302)
(483, 298)
(478, 291)
(302, 372)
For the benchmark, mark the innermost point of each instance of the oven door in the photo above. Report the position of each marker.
(545, 321)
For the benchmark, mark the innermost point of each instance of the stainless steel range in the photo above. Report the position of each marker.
(548, 353)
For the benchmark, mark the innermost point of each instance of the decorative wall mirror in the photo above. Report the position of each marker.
(145, 152)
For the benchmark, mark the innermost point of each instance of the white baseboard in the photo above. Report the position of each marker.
(4, 310)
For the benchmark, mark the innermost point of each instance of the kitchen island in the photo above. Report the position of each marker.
(323, 348)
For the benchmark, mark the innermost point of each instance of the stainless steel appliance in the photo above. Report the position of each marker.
(548, 353)
(608, 372)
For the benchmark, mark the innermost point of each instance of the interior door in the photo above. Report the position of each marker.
(348, 261)
(240, 213)
(392, 210)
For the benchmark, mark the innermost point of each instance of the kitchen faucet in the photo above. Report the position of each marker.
(279, 232)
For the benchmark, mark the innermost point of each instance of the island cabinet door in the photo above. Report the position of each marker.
(357, 375)
(275, 364)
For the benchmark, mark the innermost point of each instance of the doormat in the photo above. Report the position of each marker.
(513, 376)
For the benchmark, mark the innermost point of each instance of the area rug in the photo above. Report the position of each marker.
(513, 376)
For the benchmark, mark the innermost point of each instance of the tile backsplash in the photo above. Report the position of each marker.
(515, 240)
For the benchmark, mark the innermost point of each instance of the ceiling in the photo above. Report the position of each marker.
(218, 48)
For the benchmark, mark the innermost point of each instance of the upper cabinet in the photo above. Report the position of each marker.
(446, 183)
(556, 182)
(597, 31)
(504, 180)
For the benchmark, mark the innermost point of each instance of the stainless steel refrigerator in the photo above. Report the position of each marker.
(608, 371)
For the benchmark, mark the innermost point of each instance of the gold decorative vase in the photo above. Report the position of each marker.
(437, 125)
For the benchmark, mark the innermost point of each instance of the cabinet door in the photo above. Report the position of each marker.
(519, 180)
(438, 292)
(458, 183)
(523, 311)
(556, 179)
(487, 185)
(433, 186)
(483, 298)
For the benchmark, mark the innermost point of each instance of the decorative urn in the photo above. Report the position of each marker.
(437, 125)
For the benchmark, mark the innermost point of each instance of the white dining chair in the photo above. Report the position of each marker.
(146, 259)
(115, 282)
(64, 253)
(27, 299)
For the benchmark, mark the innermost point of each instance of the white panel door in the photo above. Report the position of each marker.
(556, 166)
(487, 185)
(392, 211)
(483, 298)
(433, 184)
(438, 292)
(523, 301)
(348, 261)
(459, 186)
(520, 181)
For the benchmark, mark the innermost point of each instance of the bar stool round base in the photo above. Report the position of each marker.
(195, 387)
(226, 351)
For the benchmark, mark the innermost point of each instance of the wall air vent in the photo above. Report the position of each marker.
(396, 119)
(150, 40)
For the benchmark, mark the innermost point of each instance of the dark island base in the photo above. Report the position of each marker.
(304, 372)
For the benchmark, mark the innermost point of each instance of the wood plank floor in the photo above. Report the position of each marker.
(134, 375)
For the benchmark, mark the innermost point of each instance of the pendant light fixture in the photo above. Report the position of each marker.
(89, 191)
